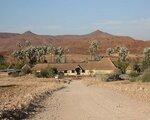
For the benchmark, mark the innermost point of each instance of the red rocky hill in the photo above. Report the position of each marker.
(76, 43)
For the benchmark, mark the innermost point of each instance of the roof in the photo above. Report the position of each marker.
(104, 64)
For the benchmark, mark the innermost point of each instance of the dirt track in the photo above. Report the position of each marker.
(79, 102)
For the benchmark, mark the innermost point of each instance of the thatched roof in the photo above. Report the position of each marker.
(104, 64)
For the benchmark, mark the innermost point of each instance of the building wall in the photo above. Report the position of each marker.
(94, 72)
(69, 73)
(89, 72)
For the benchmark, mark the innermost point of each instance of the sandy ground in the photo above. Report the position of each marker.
(81, 102)
(18, 92)
(135, 90)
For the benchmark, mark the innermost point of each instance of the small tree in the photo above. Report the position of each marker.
(93, 49)
(58, 54)
(110, 51)
(122, 63)
(66, 50)
(146, 61)
(2, 59)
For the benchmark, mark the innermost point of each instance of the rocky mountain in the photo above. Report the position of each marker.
(76, 43)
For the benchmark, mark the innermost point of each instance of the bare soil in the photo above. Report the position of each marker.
(83, 102)
(135, 90)
(18, 93)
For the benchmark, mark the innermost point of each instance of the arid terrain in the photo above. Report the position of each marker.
(83, 99)
(81, 102)
(19, 95)
(76, 43)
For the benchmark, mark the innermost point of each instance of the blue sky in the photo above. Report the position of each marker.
(120, 17)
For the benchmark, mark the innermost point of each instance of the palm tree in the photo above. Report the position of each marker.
(93, 49)
(66, 50)
(110, 51)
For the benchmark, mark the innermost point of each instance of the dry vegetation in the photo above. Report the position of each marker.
(137, 90)
(18, 93)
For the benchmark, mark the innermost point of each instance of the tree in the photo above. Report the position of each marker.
(66, 50)
(122, 62)
(93, 49)
(110, 51)
(146, 60)
(31, 54)
(2, 59)
(58, 54)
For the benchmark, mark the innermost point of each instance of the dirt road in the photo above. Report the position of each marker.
(79, 102)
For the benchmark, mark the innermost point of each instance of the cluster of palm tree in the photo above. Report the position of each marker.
(32, 55)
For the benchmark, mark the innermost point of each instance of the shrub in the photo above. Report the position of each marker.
(3, 66)
(146, 60)
(134, 74)
(46, 73)
(16, 65)
(61, 74)
(145, 77)
(122, 66)
(133, 79)
(2, 59)
(114, 76)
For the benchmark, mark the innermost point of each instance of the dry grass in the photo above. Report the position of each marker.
(137, 90)
(16, 93)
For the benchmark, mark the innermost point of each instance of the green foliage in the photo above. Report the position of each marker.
(16, 65)
(122, 63)
(113, 76)
(58, 54)
(146, 61)
(137, 67)
(123, 52)
(145, 77)
(3, 66)
(46, 73)
(98, 58)
(122, 66)
(32, 55)
(110, 51)
(2, 60)
(134, 74)
(61, 74)
(93, 49)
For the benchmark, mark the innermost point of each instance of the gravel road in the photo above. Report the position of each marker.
(79, 102)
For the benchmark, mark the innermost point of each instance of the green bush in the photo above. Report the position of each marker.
(122, 66)
(134, 74)
(16, 65)
(3, 66)
(145, 76)
(2, 59)
(61, 74)
(114, 76)
(134, 79)
(46, 73)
